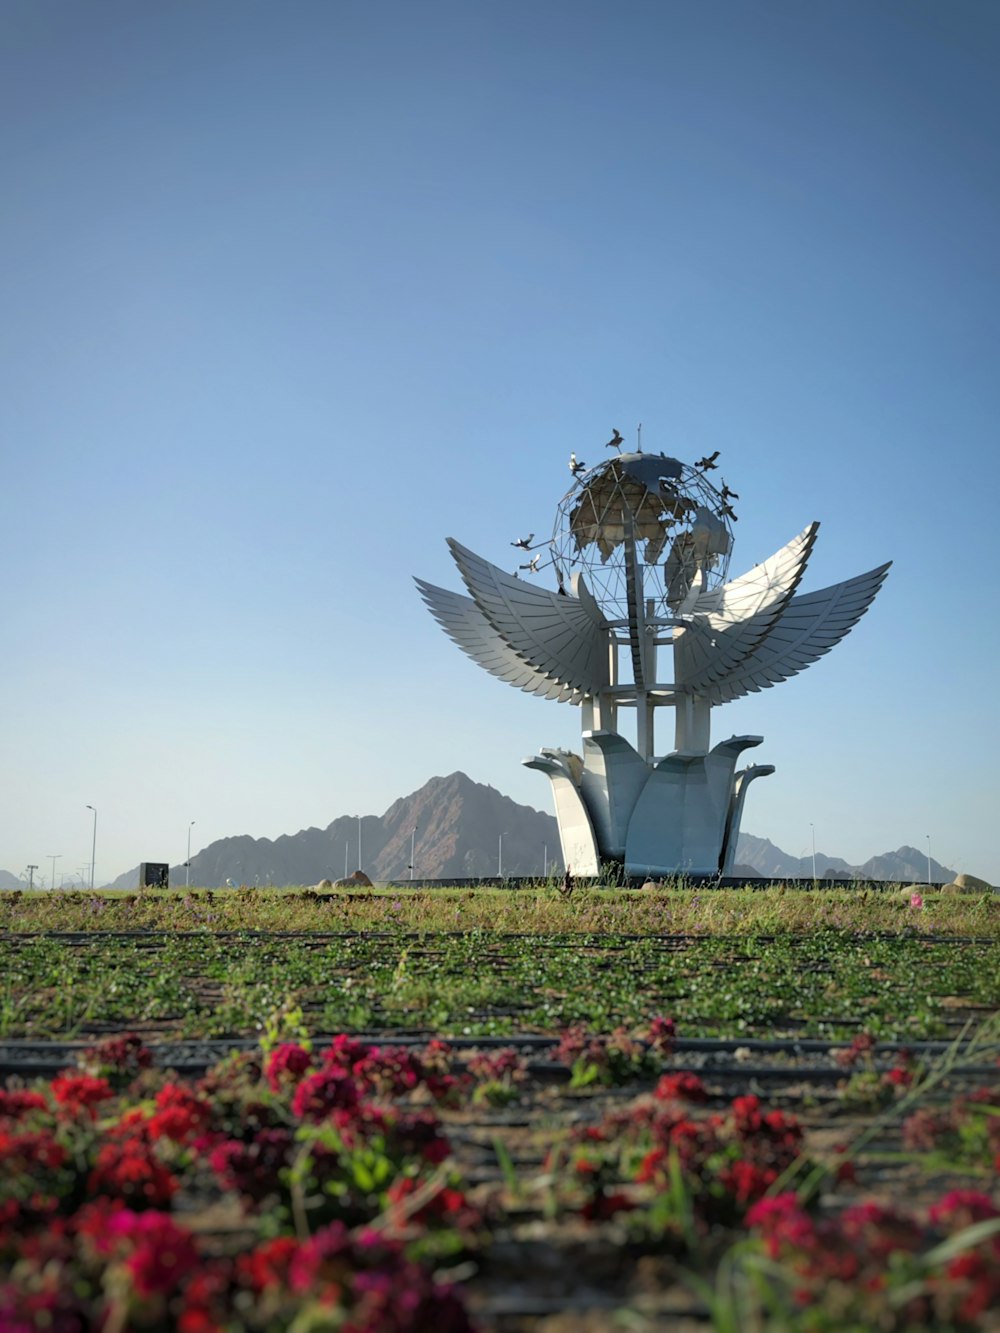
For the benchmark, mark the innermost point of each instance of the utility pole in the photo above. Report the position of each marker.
(187, 863)
(93, 849)
(928, 836)
(31, 876)
(813, 830)
(413, 839)
(500, 857)
(54, 857)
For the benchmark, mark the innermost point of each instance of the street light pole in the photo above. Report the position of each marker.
(500, 857)
(359, 842)
(187, 863)
(93, 848)
(813, 830)
(54, 857)
(928, 836)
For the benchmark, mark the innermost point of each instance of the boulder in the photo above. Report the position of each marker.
(908, 890)
(323, 885)
(973, 884)
(967, 884)
(357, 879)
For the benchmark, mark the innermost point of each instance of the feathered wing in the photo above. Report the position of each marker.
(466, 626)
(564, 638)
(728, 623)
(808, 627)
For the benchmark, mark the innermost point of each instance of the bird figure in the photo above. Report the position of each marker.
(525, 543)
(704, 464)
(576, 466)
(726, 493)
(616, 440)
(727, 510)
(532, 565)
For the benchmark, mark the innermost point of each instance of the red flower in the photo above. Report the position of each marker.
(14, 1104)
(180, 1115)
(81, 1091)
(330, 1089)
(783, 1223)
(130, 1171)
(961, 1208)
(286, 1066)
(681, 1087)
(746, 1181)
(662, 1034)
(160, 1254)
(747, 1118)
(898, 1077)
(269, 1264)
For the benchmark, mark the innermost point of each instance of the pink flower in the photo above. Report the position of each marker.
(916, 900)
(162, 1253)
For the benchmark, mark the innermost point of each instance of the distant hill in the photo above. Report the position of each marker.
(458, 823)
(907, 865)
(458, 826)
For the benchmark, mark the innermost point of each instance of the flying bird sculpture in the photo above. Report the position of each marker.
(524, 543)
(575, 466)
(616, 441)
(646, 617)
(709, 463)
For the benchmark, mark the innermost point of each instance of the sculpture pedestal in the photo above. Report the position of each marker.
(679, 815)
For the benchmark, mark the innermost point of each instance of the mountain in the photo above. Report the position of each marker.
(459, 824)
(9, 881)
(907, 865)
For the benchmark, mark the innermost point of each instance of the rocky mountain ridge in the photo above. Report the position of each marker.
(461, 829)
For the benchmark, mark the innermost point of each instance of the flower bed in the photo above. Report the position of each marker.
(343, 1188)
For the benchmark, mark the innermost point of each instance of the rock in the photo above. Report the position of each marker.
(653, 884)
(323, 885)
(972, 884)
(909, 890)
(357, 879)
(967, 884)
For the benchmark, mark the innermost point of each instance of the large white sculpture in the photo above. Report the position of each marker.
(640, 553)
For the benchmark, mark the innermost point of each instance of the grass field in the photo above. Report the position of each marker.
(510, 1111)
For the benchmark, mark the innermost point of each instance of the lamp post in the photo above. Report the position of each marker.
(928, 837)
(54, 857)
(500, 857)
(545, 861)
(93, 847)
(413, 840)
(359, 842)
(812, 829)
(187, 863)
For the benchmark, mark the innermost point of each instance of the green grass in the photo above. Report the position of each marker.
(541, 909)
(479, 982)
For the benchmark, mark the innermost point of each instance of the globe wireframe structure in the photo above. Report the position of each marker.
(673, 515)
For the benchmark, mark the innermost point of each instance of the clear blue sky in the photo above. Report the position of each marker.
(292, 291)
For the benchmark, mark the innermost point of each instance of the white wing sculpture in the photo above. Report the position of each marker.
(729, 622)
(464, 623)
(808, 627)
(563, 637)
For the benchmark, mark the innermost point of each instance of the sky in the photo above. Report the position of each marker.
(292, 292)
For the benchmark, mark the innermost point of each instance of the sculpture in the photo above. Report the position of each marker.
(640, 551)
